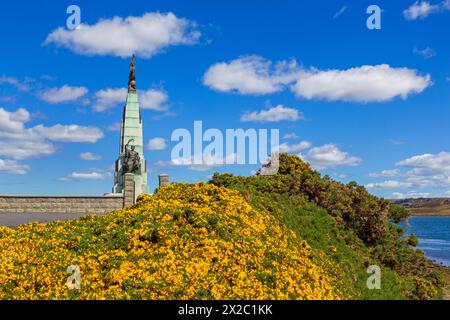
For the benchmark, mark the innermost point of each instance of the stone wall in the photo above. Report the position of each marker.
(71, 204)
(60, 204)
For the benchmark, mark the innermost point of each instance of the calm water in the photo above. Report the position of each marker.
(434, 236)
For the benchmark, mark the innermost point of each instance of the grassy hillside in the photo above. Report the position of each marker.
(353, 228)
(295, 235)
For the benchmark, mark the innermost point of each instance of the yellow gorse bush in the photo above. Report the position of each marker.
(184, 242)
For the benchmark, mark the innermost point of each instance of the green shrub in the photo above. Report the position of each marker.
(344, 220)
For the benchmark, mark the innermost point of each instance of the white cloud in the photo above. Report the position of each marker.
(145, 35)
(329, 156)
(385, 173)
(21, 86)
(87, 175)
(426, 53)
(88, 156)
(341, 11)
(69, 133)
(13, 121)
(207, 162)
(23, 149)
(431, 170)
(152, 99)
(250, 75)
(157, 144)
(12, 166)
(19, 142)
(428, 160)
(63, 94)
(291, 148)
(291, 135)
(422, 9)
(109, 98)
(410, 194)
(256, 75)
(426, 170)
(114, 127)
(275, 114)
(361, 84)
(389, 184)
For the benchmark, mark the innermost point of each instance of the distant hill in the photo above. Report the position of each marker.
(426, 206)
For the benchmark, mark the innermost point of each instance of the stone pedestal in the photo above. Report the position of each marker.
(129, 197)
(163, 180)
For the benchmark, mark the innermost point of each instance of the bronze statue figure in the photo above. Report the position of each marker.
(132, 160)
(132, 76)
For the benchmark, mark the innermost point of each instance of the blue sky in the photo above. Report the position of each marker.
(359, 104)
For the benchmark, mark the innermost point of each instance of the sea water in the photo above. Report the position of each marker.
(434, 236)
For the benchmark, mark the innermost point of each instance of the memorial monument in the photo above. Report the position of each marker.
(131, 159)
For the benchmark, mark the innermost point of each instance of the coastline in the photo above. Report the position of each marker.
(430, 214)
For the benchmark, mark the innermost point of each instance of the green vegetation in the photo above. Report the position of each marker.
(353, 227)
(294, 235)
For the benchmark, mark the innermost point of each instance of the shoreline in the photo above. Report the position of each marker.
(430, 214)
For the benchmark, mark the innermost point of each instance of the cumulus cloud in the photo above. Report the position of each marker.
(152, 99)
(88, 156)
(63, 94)
(157, 144)
(275, 114)
(69, 133)
(389, 184)
(250, 75)
(329, 156)
(19, 142)
(422, 9)
(109, 98)
(87, 175)
(410, 194)
(145, 35)
(361, 84)
(426, 170)
(385, 173)
(22, 149)
(256, 75)
(12, 166)
(292, 148)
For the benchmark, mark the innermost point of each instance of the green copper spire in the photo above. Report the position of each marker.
(131, 148)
